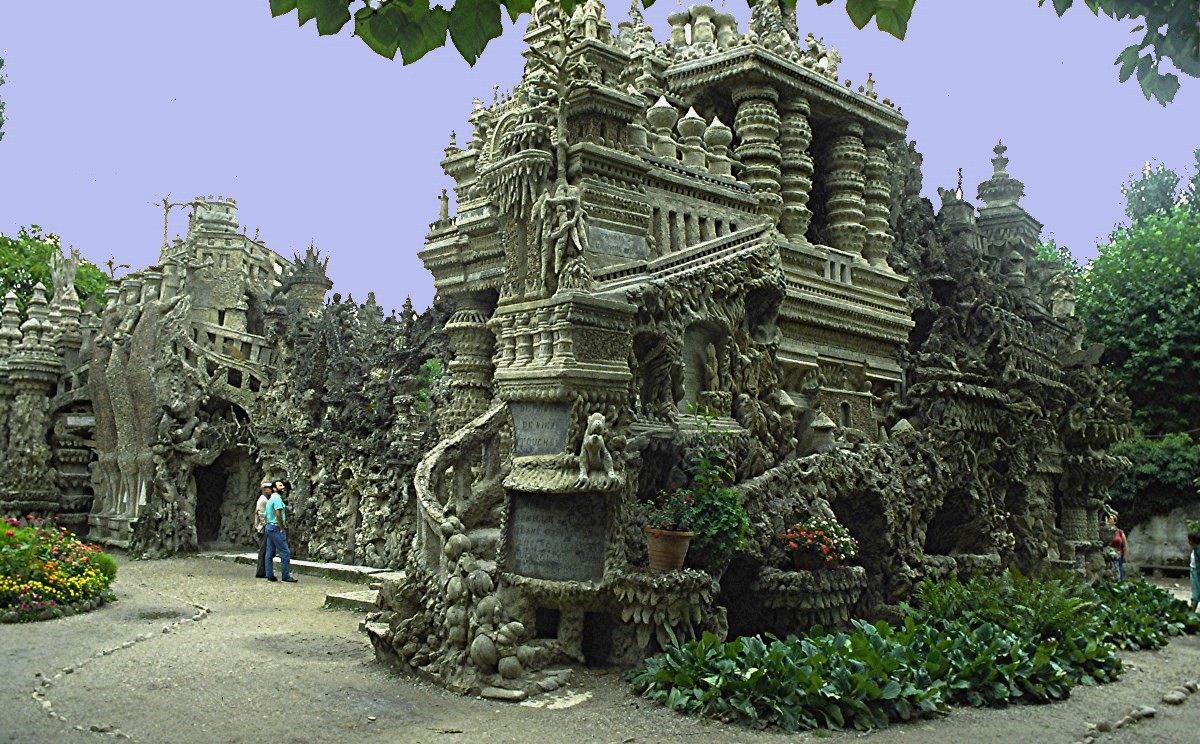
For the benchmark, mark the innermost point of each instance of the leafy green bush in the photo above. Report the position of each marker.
(719, 520)
(988, 641)
(44, 569)
(107, 565)
(1162, 477)
(1138, 615)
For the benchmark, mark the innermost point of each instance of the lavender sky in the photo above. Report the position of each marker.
(113, 105)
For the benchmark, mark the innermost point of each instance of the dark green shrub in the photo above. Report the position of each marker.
(1161, 479)
(107, 565)
(988, 641)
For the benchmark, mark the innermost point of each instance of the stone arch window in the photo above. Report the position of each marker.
(844, 414)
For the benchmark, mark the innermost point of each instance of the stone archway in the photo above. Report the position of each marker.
(225, 498)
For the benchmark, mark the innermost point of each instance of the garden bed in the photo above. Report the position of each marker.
(47, 572)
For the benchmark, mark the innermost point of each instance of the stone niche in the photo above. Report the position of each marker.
(559, 537)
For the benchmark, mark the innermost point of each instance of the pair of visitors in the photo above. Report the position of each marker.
(275, 514)
(260, 527)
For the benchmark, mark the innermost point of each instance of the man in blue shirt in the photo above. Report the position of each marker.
(276, 514)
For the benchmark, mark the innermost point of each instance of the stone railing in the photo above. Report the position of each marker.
(445, 476)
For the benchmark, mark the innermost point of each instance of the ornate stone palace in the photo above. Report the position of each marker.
(644, 232)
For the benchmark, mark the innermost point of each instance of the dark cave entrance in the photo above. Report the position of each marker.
(211, 482)
(224, 500)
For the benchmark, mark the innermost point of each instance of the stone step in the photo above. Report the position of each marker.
(365, 600)
(336, 571)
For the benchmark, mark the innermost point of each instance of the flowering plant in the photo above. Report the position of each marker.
(824, 537)
(45, 571)
(671, 510)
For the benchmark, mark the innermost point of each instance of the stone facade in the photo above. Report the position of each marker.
(641, 228)
(715, 220)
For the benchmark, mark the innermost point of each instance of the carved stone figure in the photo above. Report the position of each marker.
(595, 461)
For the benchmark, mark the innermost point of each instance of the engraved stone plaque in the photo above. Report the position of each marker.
(557, 537)
(613, 243)
(540, 428)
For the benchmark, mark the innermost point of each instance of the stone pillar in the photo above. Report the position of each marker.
(471, 368)
(877, 194)
(691, 143)
(757, 124)
(797, 165)
(845, 161)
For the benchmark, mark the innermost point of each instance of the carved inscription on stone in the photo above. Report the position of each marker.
(613, 243)
(541, 428)
(557, 537)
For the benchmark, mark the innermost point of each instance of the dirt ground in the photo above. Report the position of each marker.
(197, 650)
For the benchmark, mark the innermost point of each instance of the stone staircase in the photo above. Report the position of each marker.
(361, 600)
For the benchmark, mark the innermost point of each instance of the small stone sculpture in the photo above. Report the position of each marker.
(595, 461)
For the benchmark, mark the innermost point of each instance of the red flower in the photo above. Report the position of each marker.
(9, 533)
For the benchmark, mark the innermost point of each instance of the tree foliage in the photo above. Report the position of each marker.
(1050, 250)
(25, 261)
(1140, 297)
(414, 27)
(1154, 192)
(1170, 30)
(1162, 477)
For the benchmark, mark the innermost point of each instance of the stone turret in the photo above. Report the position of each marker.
(307, 285)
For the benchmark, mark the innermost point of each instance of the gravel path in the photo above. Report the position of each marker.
(197, 650)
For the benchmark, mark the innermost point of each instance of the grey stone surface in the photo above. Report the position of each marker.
(557, 537)
(539, 428)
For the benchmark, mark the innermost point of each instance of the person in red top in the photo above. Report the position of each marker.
(1118, 544)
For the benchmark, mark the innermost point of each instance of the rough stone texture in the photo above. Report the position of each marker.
(1162, 539)
(619, 254)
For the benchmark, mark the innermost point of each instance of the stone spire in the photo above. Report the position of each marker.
(10, 324)
(1001, 190)
(37, 319)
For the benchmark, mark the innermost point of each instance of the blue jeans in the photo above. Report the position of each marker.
(277, 545)
(1120, 568)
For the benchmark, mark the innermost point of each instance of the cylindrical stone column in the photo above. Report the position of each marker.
(757, 125)
(845, 161)
(471, 369)
(877, 194)
(795, 136)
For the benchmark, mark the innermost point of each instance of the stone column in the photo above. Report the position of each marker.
(877, 194)
(845, 161)
(797, 165)
(757, 124)
(471, 368)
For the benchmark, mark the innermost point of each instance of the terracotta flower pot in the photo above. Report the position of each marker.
(667, 548)
(809, 561)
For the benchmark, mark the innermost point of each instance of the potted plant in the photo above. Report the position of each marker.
(818, 542)
(720, 520)
(668, 528)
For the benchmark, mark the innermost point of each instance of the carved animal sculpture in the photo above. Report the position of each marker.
(594, 455)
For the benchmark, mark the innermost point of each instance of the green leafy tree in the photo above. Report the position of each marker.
(1154, 193)
(414, 28)
(1170, 31)
(1050, 250)
(1162, 477)
(1140, 297)
(25, 261)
